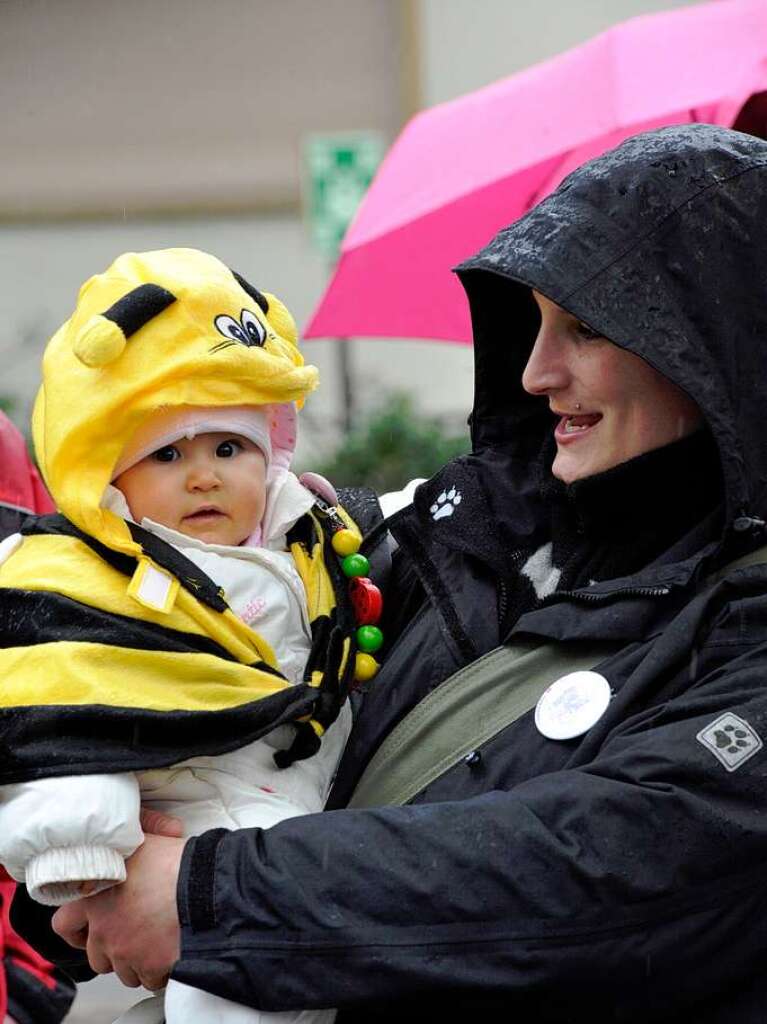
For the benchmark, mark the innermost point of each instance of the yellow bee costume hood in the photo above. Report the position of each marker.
(118, 653)
(157, 331)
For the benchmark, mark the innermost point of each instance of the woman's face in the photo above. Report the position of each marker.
(611, 404)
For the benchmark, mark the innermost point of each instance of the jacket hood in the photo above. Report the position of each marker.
(659, 245)
(155, 332)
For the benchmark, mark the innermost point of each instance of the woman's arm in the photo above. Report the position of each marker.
(632, 883)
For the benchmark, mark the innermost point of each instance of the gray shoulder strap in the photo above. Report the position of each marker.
(752, 558)
(475, 704)
(464, 712)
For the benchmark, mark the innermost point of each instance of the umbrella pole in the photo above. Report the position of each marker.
(346, 384)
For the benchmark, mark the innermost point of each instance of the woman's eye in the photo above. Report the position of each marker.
(228, 448)
(167, 454)
(585, 332)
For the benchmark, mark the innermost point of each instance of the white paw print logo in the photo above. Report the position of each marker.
(445, 504)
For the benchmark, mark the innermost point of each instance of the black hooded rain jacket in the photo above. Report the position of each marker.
(621, 875)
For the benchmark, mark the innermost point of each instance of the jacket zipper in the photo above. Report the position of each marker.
(503, 603)
(515, 561)
(580, 595)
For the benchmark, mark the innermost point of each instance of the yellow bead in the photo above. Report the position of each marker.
(345, 542)
(365, 668)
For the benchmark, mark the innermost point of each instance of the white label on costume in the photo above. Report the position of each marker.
(9, 546)
(571, 705)
(154, 588)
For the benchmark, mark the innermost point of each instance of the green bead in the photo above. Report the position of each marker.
(355, 565)
(369, 639)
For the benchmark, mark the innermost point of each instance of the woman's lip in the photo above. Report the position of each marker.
(564, 436)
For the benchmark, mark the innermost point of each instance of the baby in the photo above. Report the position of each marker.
(182, 636)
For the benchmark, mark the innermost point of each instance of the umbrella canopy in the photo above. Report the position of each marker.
(462, 170)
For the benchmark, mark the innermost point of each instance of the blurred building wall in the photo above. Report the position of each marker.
(465, 46)
(179, 122)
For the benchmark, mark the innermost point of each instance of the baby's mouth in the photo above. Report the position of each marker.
(202, 514)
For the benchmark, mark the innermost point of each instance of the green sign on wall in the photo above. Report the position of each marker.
(338, 170)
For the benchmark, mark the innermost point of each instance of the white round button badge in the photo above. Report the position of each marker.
(571, 705)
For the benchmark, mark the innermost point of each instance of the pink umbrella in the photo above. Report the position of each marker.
(462, 170)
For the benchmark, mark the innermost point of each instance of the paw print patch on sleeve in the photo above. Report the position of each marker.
(446, 504)
(731, 739)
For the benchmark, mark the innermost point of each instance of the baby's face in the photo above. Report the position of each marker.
(212, 487)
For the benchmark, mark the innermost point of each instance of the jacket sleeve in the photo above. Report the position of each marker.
(58, 833)
(632, 882)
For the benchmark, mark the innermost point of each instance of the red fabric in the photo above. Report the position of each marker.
(6, 895)
(20, 486)
(15, 947)
(20, 483)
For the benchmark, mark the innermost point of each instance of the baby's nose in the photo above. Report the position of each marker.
(202, 479)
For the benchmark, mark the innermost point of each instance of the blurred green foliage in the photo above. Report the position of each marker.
(8, 404)
(391, 446)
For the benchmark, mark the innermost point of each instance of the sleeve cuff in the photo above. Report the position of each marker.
(55, 876)
(197, 880)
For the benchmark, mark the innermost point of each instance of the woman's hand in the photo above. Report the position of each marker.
(133, 928)
(157, 823)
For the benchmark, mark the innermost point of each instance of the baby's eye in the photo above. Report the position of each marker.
(167, 454)
(586, 333)
(227, 449)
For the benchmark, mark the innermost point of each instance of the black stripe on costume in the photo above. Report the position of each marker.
(138, 307)
(43, 741)
(189, 576)
(327, 646)
(186, 572)
(11, 520)
(29, 617)
(58, 525)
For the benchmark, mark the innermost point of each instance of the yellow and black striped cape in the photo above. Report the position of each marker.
(93, 681)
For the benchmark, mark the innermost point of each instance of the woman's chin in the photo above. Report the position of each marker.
(569, 467)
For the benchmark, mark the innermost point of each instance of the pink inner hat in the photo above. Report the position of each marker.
(171, 424)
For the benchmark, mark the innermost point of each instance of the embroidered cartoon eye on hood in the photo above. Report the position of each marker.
(155, 332)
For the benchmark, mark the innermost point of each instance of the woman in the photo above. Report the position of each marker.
(616, 872)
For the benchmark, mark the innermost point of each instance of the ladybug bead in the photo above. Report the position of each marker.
(366, 600)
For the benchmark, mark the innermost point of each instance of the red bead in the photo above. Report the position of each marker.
(366, 600)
